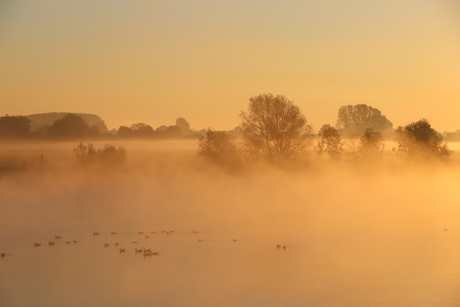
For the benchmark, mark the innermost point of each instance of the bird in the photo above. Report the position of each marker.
(116, 244)
(74, 241)
(446, 229)
(37, 244)
(278, 246)
(113, 233)
(194, 232)
(152, 232)
(122, 250)
(134, 242)
(284, 247)
(95, 233)
(199, 240)
(67, 242)
(50, 243)
(234, 240)
(147, 250)
(106, 244)
(140, 232)
(147, 237)
(139, 250)
(57, 237)
(2, 255)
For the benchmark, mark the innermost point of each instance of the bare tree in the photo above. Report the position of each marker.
(275, 128)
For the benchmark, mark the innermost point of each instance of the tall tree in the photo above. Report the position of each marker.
(274, 127)
(360, 117)
(419, 141)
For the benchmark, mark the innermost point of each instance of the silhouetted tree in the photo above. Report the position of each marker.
(71, 126)
(85, 153)
(371, 146)
(142, 130)
(419, 141)
(330, 143)
(181, 122)
(184, 126)
(275, 128)
(220, 148)
(172, 132)
(14, 126)
(124, 132)
(360, 117)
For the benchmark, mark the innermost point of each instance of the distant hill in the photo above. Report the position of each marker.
(42, 119)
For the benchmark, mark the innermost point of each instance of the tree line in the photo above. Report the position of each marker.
(74, 127)
(276, 131)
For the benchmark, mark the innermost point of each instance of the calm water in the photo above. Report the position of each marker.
(410, 270)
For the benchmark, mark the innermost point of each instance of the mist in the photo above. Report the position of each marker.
(339, 215)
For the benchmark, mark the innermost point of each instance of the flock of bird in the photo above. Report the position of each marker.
(143, 250)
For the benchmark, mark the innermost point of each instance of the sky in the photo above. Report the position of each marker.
(154, 61)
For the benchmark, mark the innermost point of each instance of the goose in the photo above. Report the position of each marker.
(278, 246)
(106, 244)
(152, 232)
(194, 232)
(284, 247)
(139, 250)
(38, 244)
(67, 242)
(74, 241)
(2, 255)
(113, 233)
(234, 240)
(95, 233)
(122, 250)
(135, 242)
(147, 250)
(147, 237)
(116, 244)
(199, 240)
(50, 243)
(140, 232)
(57, 237)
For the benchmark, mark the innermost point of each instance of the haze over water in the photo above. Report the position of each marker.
(353, 237)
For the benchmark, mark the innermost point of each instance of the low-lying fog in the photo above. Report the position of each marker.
(350, 214)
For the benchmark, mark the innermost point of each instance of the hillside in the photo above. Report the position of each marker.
(42, 119)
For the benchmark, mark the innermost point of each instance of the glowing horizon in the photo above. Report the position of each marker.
(156, 61)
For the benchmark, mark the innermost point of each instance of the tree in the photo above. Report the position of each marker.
(108, 155)
(71, 126)
(371, 146)
(142, 130)
(274, 128)
(330, 143)
(220, 148)
(184, 126)
(124, 132)
(419, 141)
(360, 117)
(14, 126)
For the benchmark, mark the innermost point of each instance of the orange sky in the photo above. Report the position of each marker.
(154, 61)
